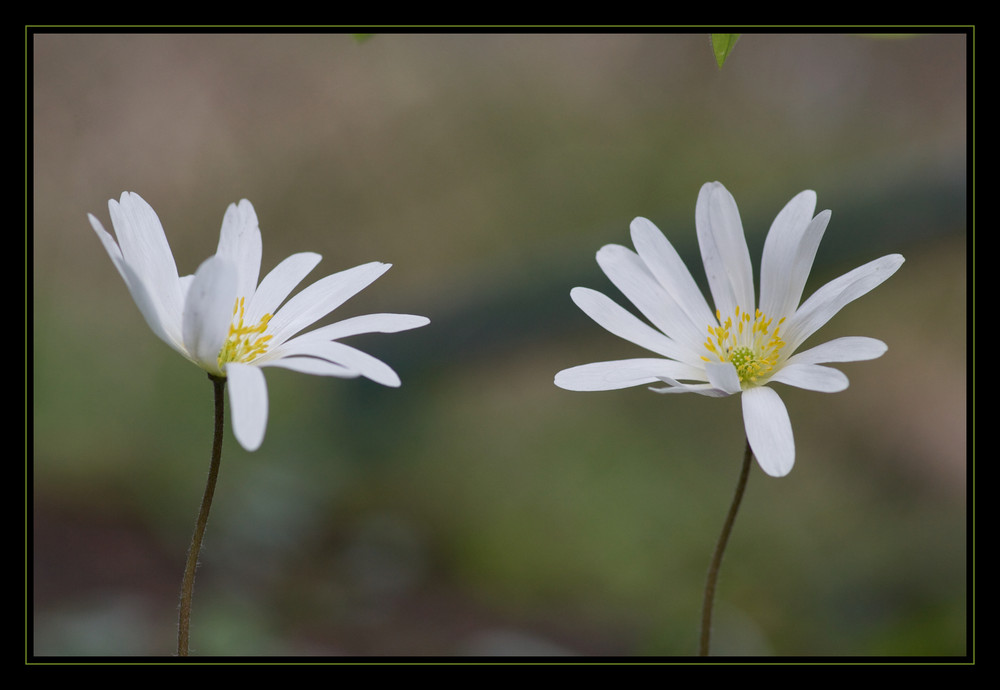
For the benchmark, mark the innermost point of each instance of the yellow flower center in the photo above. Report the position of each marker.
(749, 343)
(245, 343)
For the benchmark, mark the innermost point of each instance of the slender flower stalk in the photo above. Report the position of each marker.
(187, 584)
(224, 321)
(720, 549)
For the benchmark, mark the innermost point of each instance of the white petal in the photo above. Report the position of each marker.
(148, 307)
(608, 314)
(629, 274)
(846, 349)
(794, 217)
(110, 246)
(705, 389)
(322, 297)
(675, 386)
(279, 283)
(164, 321)
(669, 269)
(185, 283)
(145, 249)
(338, 353)
(724, 250)
(367, 323)
(248, 398)
(208, 311)
(769, 430)
(832, 297)
(625, 373)
(167, 330)
(313, 367)
(240, 243)
(723, 375)
(813, 377)
(789, 252)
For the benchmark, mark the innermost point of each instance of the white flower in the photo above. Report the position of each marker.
(744, 344)
(227, 324)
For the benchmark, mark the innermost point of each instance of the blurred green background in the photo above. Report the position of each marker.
(479, 509)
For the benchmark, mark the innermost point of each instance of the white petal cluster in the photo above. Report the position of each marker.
(221, 319)
(745, 343)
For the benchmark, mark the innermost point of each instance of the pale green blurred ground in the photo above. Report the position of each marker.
(479, 509)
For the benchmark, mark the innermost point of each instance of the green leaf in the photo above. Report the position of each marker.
(722, 45)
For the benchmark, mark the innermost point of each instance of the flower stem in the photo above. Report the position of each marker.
(720, 548)
(187, 586)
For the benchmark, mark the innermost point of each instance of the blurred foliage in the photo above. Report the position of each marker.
(478, 509)
(722, 46)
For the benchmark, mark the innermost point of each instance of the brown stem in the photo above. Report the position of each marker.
(720, 548)
(187, 586)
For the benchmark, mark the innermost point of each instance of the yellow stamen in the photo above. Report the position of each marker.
(752, 347)
(245, 343)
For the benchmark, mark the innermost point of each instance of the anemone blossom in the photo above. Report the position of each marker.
(745, 343)
(221, 319)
